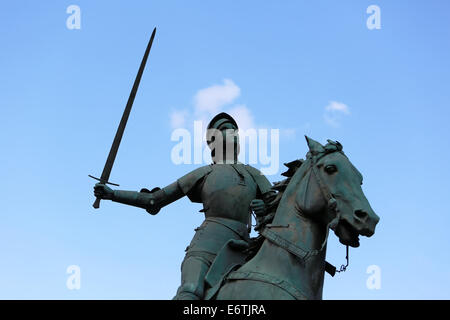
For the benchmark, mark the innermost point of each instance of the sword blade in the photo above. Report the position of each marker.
(123, 121)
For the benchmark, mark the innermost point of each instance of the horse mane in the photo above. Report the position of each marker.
(277, 192)
(272, 203)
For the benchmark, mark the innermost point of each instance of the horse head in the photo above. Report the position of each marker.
(329, 190)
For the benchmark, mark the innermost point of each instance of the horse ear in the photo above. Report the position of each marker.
(314, 146)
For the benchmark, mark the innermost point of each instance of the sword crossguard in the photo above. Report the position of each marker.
(113, 184)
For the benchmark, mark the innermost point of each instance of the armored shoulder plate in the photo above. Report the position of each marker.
(263, 184)
(189, 181)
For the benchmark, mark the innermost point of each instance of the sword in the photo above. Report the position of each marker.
(123, 122)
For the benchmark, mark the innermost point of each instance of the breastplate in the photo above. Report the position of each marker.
(227, 192)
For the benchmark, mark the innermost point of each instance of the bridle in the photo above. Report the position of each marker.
(300, 251)
(331, 207)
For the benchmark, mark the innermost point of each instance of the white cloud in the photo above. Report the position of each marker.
(243, 117)
(178, 118)
(335, 106)
(212, 98)
(334, 112)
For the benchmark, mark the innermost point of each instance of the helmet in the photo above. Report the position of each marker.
(218, 121)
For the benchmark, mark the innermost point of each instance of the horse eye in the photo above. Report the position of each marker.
(330, 169)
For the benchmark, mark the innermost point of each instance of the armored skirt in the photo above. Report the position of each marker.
(209, 238)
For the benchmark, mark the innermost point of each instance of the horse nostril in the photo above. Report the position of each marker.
(360, 214)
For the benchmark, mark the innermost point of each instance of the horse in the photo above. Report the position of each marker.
(320, 193)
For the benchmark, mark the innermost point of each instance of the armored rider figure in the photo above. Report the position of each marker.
(226, 188)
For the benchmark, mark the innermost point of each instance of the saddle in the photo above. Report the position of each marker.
(229, 258)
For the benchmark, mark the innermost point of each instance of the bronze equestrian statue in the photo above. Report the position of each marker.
(287, 259)
(226, 188)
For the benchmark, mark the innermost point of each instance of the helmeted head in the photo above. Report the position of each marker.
(222, 138)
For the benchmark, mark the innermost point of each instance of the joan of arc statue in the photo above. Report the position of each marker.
(226, 188)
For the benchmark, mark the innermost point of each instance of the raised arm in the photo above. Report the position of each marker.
(152, 201)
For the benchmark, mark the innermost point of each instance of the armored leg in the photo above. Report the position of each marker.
(193, 272)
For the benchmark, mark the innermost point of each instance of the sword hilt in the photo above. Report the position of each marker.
(96, 204)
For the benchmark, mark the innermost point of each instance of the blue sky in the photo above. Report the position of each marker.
(63, 92)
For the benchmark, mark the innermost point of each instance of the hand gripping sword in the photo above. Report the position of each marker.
(123, 122)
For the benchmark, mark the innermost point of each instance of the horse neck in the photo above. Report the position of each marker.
(306, 275)
(303, 191)
(303, 231)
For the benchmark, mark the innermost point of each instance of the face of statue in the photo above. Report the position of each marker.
(229, 140)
